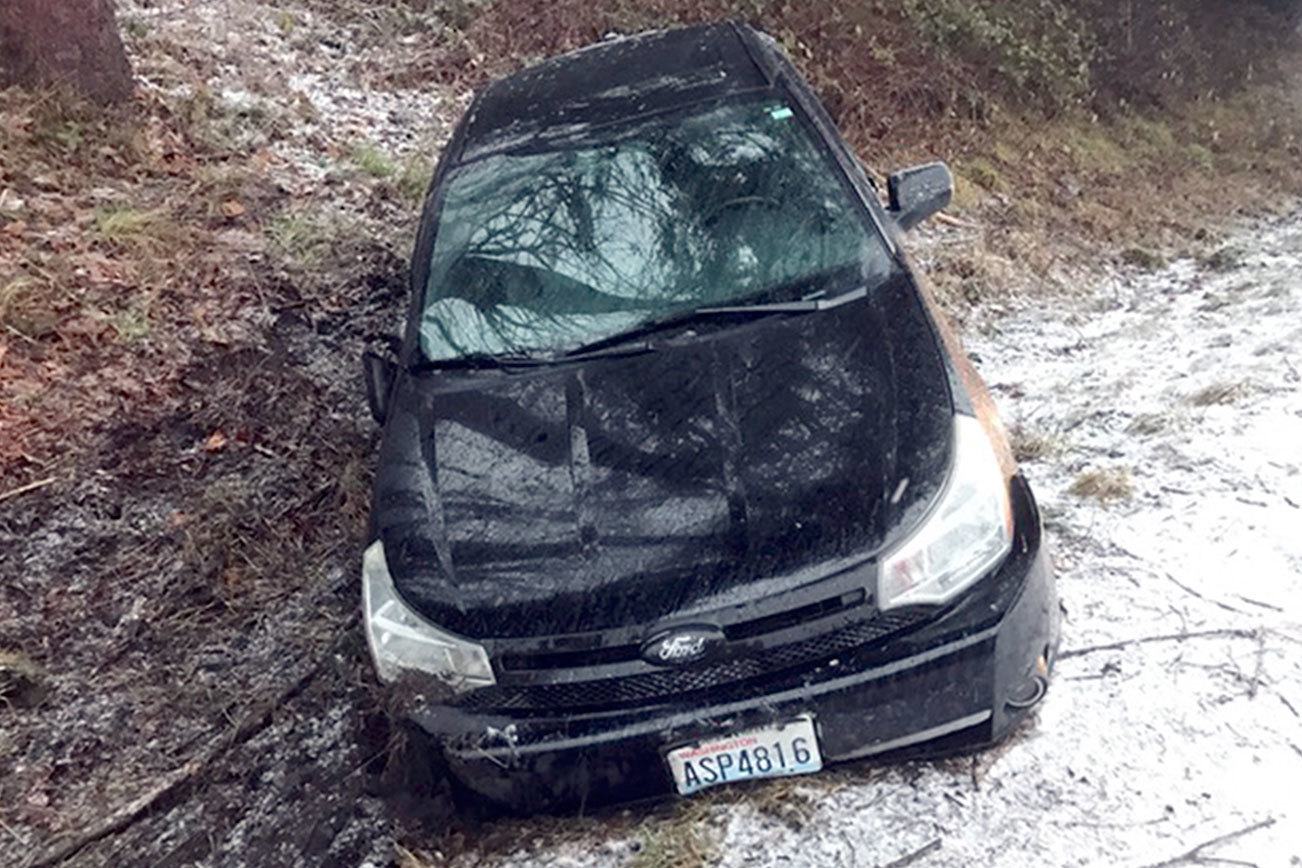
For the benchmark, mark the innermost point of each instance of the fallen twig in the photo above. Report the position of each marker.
(1255, 684)
(177, 781)
(1195, 854)
(1260, 603)
(922, 852)
(1227, 633)
(1173, 580)
(950, 220)
(1193, 593)
(31, 486)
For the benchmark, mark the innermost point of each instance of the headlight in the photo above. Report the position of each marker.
(967, 534)
(402, 641)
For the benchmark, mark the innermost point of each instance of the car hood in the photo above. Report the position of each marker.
(624, 490)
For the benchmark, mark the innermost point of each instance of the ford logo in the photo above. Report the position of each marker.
(682, 646)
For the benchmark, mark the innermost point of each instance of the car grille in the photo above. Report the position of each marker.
(663, 685)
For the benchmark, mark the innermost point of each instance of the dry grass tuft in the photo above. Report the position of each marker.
(1148, 424)
(149, 231)
(310, 238)
(1104, 484)
(1218, 393)
(1141, 257)
(1034, 445)
(1222, 260)
(22, 682)
(682, 840)
(373, 161)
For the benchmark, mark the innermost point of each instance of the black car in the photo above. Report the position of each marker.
(683, 478)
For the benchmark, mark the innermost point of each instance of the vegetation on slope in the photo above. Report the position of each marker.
(1088, 120)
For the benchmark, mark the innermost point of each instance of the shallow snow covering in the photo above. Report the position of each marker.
(288, 67)
(1141, 752)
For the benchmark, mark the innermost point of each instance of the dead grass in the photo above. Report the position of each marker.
(150, 231)
(308, 237)
(1221, 260)
(21, 311)
(682, 840)
(1105, 485)
(414, 177)
(1218, 393)
(1143, 258)
(1146, 424)
(22, 682)
(1029, 445)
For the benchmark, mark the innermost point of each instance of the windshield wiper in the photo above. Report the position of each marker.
(620, 342)
(634, 341)
(809, 304)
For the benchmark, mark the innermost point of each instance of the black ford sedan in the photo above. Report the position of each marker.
(684, 480)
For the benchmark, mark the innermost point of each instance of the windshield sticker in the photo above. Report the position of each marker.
(780, 112)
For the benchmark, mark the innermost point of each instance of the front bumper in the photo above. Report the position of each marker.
(958, 682)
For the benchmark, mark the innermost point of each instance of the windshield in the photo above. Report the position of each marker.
(542, 252)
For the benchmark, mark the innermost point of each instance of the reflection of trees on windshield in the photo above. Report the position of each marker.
(540, 251)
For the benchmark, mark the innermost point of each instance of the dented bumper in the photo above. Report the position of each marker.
(961, 681)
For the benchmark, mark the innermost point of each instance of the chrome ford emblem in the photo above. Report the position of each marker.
(682, 646)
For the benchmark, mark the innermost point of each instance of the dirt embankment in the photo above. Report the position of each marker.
(185, 289)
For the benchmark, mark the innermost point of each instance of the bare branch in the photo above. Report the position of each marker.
(1226, 633)
(31, 486)
(1195, 854)
(922, 852)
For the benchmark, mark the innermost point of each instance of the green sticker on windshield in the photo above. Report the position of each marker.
(780, 112)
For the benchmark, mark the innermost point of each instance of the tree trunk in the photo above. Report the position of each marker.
(64, 42)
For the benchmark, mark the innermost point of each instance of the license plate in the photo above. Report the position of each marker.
(779, 751)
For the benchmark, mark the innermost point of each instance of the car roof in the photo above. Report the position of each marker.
(615, 80)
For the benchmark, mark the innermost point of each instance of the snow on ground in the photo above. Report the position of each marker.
(311, 89)
(1188, 381)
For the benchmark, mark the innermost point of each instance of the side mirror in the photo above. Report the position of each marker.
(918, 193)
(380, 371)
